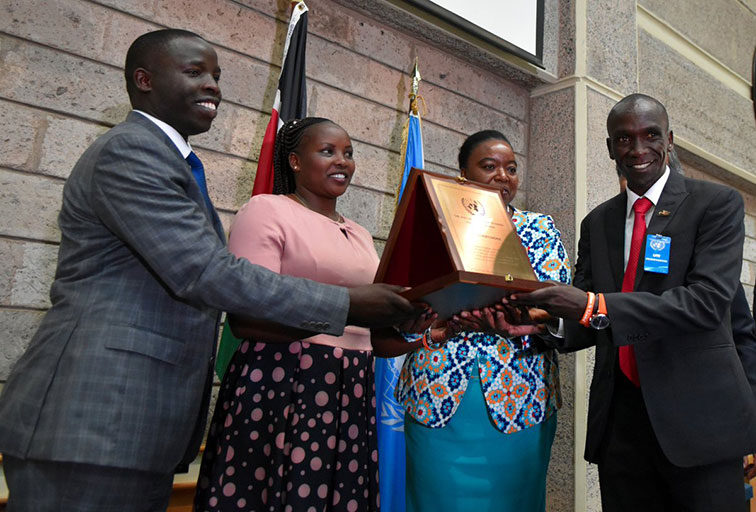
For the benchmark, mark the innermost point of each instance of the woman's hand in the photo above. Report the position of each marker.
(441, 332)
(390, 342)
(419, 324)
(505, 320)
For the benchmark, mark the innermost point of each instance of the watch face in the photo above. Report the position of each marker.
(599, 321)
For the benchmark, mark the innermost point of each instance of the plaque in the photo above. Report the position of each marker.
(453, 244)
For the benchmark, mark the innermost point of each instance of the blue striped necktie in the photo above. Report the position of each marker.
(198, 170)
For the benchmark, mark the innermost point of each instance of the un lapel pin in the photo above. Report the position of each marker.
(664, 213)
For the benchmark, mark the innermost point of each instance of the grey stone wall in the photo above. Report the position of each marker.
(709, 109)
(61, 86)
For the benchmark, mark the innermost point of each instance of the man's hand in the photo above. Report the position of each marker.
(380, 305)
(561, 300)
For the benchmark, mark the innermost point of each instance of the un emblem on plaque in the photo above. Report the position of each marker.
(474, 207)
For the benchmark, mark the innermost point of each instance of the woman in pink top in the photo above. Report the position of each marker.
(294, 426)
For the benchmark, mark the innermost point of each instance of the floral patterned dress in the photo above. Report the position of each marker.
(519, 384)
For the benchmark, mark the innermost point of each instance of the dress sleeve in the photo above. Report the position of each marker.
(257, 233)
(545, 249)
(557, 263)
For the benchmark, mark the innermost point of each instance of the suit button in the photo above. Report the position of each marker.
(326, 325)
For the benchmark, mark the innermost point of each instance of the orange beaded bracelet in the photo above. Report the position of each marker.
(585, 321)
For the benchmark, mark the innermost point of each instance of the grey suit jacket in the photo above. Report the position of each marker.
(117, 371)
(696, 392)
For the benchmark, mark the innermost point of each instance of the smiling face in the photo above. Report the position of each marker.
(639, 141)
(323, 164)
(493, 162)
(181, 85)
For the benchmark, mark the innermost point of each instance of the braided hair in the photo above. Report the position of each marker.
(472, 142)
(287, 141)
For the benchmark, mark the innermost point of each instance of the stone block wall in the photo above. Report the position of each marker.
(62, 85)
(697, 58)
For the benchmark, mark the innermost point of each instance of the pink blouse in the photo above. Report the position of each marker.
(284, 236)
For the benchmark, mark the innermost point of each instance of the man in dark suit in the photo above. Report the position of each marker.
(112, 393)
(741, 319)
(671, 410)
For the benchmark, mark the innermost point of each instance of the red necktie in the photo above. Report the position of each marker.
(627, 352)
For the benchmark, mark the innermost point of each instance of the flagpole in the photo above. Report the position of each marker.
(414, 88)
(411, 130)
(391, 444)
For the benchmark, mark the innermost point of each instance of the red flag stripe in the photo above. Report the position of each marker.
(290, 103)
(264, 180)
(291, 96)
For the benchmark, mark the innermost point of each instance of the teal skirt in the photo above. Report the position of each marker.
(469, 465)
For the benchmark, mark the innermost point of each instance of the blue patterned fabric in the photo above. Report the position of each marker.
(520, 385)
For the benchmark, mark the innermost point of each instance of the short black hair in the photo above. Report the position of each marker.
(287, 141)
(629, 102)
(474, 140)
(143, 49)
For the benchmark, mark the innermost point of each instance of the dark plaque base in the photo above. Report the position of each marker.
(466, 291)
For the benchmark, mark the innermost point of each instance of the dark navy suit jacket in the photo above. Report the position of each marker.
(699, 401)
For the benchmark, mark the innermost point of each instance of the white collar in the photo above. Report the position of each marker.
(652, 194)
(181, 144)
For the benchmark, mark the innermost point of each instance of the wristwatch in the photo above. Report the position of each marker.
(600, 320)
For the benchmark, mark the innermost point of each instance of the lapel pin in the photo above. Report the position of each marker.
(664, 213)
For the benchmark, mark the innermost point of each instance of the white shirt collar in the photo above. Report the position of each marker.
(652, 194)
(181, 144)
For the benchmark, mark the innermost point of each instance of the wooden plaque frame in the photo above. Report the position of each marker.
(421, 253)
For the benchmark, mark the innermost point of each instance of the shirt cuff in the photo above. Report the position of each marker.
(559, 332)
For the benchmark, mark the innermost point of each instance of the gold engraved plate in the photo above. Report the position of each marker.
(482, 233)
(454, 246)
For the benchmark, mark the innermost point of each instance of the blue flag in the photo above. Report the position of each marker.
(413, 150)
(391, 455)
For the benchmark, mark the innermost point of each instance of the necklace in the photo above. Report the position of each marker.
(337, 217)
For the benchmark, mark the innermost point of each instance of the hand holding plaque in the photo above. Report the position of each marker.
(454, 245)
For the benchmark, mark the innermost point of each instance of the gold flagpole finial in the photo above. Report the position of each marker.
(415, 87)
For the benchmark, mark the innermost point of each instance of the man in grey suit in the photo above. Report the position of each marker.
(112, 393)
